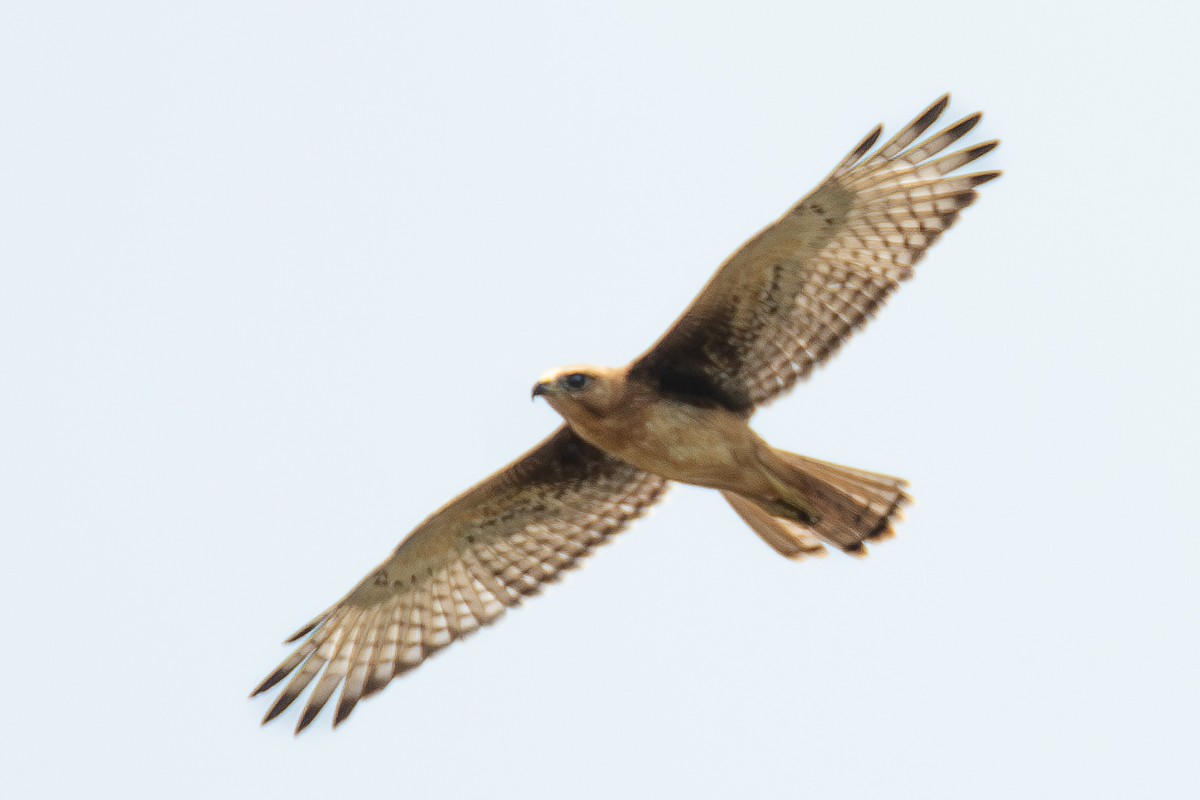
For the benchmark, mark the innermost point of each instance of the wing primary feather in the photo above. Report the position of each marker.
(334, 672)
(310, 627)
(942, 139)
(910, 132)
(285, 669)
(980, 178)
(859, 151)
(301, 679)
(352, 692)
(360, 665)
(385, 656)
(948, 163)
(918, 191)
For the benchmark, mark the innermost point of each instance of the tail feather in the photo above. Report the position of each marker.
(842, 506)
(787, 538)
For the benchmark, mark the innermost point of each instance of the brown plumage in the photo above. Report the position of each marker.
(779, 306)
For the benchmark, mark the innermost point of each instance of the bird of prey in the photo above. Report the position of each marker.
(779, 306)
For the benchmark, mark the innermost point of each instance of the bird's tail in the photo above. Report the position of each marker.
(821, 502)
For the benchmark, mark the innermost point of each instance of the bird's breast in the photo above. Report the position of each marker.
(703, 446)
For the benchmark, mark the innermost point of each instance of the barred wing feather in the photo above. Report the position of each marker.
(788, 298)
(461, 568)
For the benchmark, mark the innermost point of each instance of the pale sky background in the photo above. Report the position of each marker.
(275, 279)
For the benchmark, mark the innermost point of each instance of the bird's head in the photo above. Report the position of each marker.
(581, 390)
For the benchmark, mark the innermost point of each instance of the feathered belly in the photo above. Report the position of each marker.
(706, 447)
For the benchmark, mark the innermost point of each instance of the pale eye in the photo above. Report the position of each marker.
(576, 381)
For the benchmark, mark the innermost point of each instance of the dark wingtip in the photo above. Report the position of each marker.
(306, 719)
(981, 150)
(964, 125)
(274, 711)
(374, 684)
(860, 150)
(307, 629)
(343, 710)
(272, 679)
(872, 138)
(934, 111)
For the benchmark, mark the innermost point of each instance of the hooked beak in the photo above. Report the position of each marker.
(541, 387)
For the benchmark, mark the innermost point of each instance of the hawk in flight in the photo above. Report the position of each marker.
(779, 306)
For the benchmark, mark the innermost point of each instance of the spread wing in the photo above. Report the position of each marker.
(791, 295)
(461, 569)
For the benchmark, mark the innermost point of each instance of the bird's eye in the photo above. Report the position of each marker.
(576, 381)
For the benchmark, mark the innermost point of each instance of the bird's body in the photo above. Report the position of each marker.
(701, 442)
(779, 306)
(704, 445)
